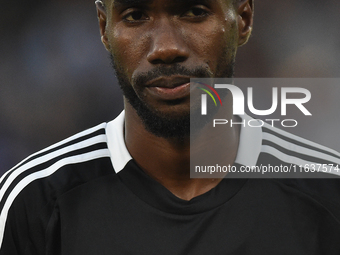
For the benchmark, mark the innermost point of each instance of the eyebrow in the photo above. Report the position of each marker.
(193, 2)
(131, 2)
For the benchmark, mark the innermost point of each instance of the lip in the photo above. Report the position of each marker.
(168, 81)
(169, 88)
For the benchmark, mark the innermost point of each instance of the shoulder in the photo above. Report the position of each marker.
(287, 148)
(83, 147)
(314, 169)
(32, 186)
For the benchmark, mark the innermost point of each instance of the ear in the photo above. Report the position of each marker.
(245, 11)
(102, 17)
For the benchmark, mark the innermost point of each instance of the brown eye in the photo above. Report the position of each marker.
(196, 12)
(134, 16)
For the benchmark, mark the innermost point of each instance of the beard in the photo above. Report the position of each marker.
(168, 125)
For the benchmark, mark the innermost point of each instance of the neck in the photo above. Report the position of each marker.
(168, 160)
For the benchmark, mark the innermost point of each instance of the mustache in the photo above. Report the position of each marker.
(177, 69)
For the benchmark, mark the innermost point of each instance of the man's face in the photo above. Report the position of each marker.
(158, 45)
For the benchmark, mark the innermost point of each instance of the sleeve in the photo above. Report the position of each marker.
(16, 236)
(23, 219)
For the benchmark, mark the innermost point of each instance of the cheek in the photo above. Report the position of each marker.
(212, 42)
(128, 48)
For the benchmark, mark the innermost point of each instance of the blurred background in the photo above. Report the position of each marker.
(56, 79)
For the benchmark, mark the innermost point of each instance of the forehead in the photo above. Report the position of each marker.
(145, 2)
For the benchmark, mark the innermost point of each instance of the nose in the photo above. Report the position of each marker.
(168, 45)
